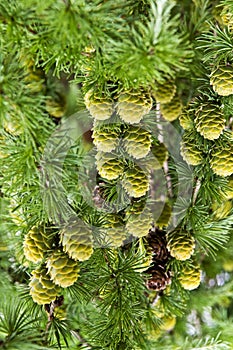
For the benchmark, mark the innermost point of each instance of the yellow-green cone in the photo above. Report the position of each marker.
(56, 107)
(138, 224)
(135, 181)
(42, 289)
(114, 231)
(12, 123)
(221, 79)
(168, 323)
(109, 165)
(137, 142)
(164, 92)
(76, 239)
(171, 110)
(186, 120)
(37, 242)
(133, 105)
(101, 108)
(190, 277)
(160, 153)
(180, 244)
(209, 121)
(189, 150)
(227, 18)
(164, 217)
(222, 210)
(63, 270)
(222, 158)
(106, 137)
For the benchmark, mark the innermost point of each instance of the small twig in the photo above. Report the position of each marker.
(80, 338)
(165, 165)
(196, 188)
(50, 308)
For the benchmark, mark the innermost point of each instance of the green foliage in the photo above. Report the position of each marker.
(52, 54)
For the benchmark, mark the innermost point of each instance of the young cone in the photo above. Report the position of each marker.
(138, 224)
(221, 160)
(133, 105)
(76, 239)
(100, 107)
(63, 270)
(37, 242)
(180, 244)
(42, 289)
(109, 165)
(164, 92)
(190, 277)
(137, 142)
(209, 121)
(171, 110)
(136, 182)
(114, 230)
(221, 79)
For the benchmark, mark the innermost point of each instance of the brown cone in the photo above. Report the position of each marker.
(157, 241)
(159, 279)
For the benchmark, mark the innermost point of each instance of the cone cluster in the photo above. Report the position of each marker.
(204, 121)
(57, 257)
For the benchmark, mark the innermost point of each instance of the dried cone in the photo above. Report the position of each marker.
(171, 110)
(222, 158)
(63, 270)
(114, 230)
(186, 120)
(106, 137)
(180, 244)
(190, 277)
(37, 242)
(222, 80)
(164, 92)
(137, 142)
(42, 289)
(133, 105)
(109, 165)
(138, 224)
(210, 120)
(76, 239)
(136, 182)
(158, 244)
(189, 150)
(100, 107)
(160, 278)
